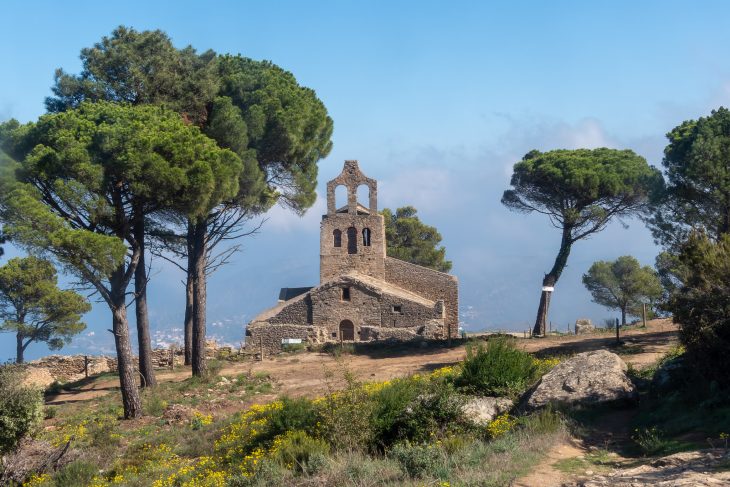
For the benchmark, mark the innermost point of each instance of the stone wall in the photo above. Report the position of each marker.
(336, 261)
(267, 336)
(297, 310)
(69, 368)
(428, 283)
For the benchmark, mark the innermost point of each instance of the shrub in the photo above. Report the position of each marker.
(417, 460)
(415, 409)
(499, 369)
(75, 473)
(246, 440)
(213, 368)
(544, 421)
(21, 408)
(650, 440)
(153, 402)
(295, 449)
(345, 415)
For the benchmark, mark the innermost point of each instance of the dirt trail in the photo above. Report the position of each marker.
(307, 374)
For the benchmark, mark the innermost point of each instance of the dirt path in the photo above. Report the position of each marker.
(310, 374)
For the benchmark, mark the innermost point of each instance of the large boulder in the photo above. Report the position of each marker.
(588, 378)
(481, 410)
(584, 325)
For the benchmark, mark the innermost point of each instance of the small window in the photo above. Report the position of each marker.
(397, 308)
(337, 238)
(366, 237)
(334, 334)
(345, 293)
(352, 240)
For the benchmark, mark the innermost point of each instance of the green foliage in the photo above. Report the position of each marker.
(345, 417)
(499, 369)
(295, 414)
(21, 408)
(411, 240)
(622, 284)
(697, 193)
(417, 460)
(702, 305)
(296, 450)
(78, 472)
(154, 72)
(287, 127)
(414, 410)
(34, 308)
(153, 402)
(83, 163)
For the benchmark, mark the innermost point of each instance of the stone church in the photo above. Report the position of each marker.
(362, 295)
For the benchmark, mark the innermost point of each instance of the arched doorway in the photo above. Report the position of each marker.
(347, 330)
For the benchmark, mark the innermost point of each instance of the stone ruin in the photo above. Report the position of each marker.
(363, 295)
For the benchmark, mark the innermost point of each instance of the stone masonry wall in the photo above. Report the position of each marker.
(68, 368)
(336, 261)
(300, 311)
(428, 283)
(366, 307)
(262, 334)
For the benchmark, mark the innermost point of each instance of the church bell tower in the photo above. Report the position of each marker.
(352, 237)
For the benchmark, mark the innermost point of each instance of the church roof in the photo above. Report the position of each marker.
(361, 210)
(287, 293)
(368, 282)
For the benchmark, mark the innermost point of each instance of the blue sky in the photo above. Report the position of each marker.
(436, 100)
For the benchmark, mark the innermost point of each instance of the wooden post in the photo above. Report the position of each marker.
(618, 341)
(86, 366)
(643, 314)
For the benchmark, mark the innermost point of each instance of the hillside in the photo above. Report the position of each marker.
(186, 417)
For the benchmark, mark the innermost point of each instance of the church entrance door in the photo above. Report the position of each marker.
(347, 330)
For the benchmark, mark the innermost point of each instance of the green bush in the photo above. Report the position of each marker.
(295, 414)
(702, 305)
(414, 410)
(345, 417)
(499, 369)
(75, 473)
(417, 460)
(21, 408)
(153, 402)
(295, 449)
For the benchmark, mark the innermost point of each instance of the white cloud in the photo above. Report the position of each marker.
(284, 220)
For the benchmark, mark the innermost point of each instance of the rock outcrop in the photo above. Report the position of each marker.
(482, 410)
(583, 326)
(697, 468)
(588, 378)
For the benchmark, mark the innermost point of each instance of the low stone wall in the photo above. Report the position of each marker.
(68, 368)
(267, 336)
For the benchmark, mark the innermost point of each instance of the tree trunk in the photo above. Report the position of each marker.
(189, 316)
(125, 360)
(623, 315)
(19, 349)
(143, 320)
(189, 299)
(550, 280)
(199, 297)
